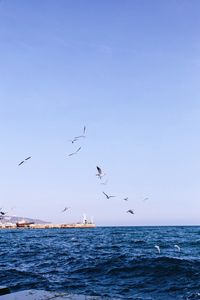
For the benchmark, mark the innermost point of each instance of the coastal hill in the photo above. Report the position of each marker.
(15, 219)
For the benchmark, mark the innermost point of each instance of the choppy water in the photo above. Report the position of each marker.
(117, 262)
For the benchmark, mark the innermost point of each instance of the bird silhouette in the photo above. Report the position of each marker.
(83, 135)
(108, 197)
(100, 173)
(23, 161)
(130, 211)
(75, 152)
(66, 208)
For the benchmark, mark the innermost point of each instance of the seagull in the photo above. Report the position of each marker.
(145, 199)
(177, 247)
(158, 248)
(23, 161)
(3, 213)
(125, 199)
(108, 197)
(100, 174)
(83, 135)
(66, 208)
(130, 211)
(75, 152)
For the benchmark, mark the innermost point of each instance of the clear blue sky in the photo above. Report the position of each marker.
(129, 71)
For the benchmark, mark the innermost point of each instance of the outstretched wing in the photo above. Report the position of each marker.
(105, 195)
(99, 170)
(78, 149)
(21, 163)
(28, 158)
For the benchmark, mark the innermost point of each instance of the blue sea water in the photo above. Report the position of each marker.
(114, 262)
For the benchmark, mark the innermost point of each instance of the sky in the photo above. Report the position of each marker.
(127, 70)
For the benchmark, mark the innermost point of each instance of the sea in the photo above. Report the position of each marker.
(110, 262)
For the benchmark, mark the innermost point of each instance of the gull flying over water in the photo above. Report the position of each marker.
(23, 161)
(3, 213)
(145, 199)
(66, 208)
(130, 211)
(83, 135)
(108, 197)
(100, 174)
(75, 152)
(125, 199)
(177, 247)
(158, 248)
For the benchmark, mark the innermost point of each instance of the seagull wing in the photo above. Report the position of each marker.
(176, 246)
(84, 129)
(130, 211)
(78, 149)
(99, 170)
(71, 154)
(158, 248)
(28, 158)
(106, 195)
(21, 163)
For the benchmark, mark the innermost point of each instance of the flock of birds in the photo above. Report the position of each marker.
(100, 174)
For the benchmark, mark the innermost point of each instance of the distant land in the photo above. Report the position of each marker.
(15, 219)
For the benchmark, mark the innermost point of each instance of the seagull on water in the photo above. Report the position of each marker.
(75, 152)
(177, 247)
(108, 197)
(100, 173)
(158, 248)
(130, 211)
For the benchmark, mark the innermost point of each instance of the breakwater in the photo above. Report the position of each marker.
(46, 226)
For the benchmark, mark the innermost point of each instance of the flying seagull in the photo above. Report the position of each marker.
(158, 248)
(177, 247)
(125, 199)
(145, 199)
(108, 197)
(66, 208)
(100, 174)
(83, 135)
(75, 152)
(3, 213)
(23, 161)
(130, 211)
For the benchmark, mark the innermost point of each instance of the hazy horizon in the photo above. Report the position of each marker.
(128, 71)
